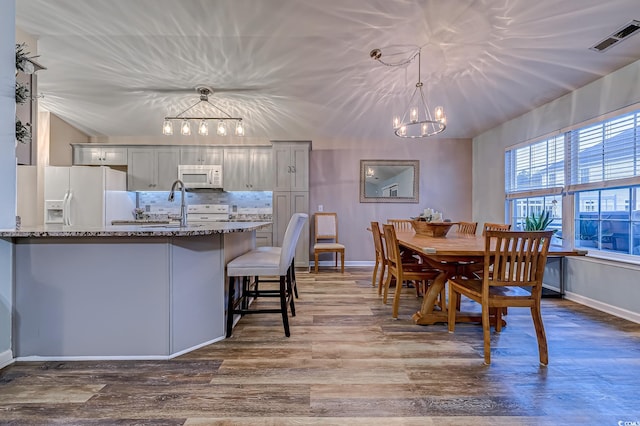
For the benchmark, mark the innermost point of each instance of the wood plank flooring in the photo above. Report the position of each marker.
(348, 362)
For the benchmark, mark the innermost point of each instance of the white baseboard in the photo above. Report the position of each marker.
(94, 358)
(6, 358)
(604, 307)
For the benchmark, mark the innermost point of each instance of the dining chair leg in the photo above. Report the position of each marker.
(387, 284)
(341, 261)
(486, 333)
(396, 298)
(381, 280)
(316, 263)
(375, 273)
(451, 319)
(540, 334)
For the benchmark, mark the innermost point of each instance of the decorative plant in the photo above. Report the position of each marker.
(23, 131)
(21, 57)
(537, 222)
(22, 93)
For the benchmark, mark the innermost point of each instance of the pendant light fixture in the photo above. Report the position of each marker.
(203, 121)
(417, 120)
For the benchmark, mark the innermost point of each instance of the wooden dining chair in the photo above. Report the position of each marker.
(401, 225)
(326, 238)
(495, 227)
(518, 260)
(467, 228)
(419, 273)
(381, 258)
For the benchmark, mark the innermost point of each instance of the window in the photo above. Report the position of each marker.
(596, 168)
(534, 182)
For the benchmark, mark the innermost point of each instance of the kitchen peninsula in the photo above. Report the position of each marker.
(122, 292)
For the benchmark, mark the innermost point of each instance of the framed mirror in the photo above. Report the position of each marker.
(389, 181)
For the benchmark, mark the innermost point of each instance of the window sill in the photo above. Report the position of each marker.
(611, 259)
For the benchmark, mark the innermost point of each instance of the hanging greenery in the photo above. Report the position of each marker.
(22, 93)
(23, 131)
(21, 56)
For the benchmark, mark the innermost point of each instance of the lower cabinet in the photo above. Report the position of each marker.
(264, 237)
(285, 204)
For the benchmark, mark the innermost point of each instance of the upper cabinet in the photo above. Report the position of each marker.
(248, 169)
(291, 166)
(152, 169)
(99, 155)
(201, 155)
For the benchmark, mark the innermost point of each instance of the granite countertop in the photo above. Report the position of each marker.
(138, 230)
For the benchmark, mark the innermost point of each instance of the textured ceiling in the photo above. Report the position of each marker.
(300, 69)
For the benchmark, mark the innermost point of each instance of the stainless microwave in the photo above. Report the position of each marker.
(200, 176)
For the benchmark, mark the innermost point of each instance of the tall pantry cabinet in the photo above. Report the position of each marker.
(291, 192)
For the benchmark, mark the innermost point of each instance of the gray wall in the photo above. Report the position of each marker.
(445, 185)
(7, 170)
(585, 277)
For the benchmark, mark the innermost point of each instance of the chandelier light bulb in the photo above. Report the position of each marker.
(222, 128)
(424, 129)
(203, 128)
(167, 127)
(403, 130)
(439, 113)
(185, 128)
(413, 115)
(239, 129)
(396, 121)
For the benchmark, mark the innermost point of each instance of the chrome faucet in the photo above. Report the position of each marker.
(183, 202)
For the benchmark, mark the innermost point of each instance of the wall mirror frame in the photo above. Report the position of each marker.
(389, 181)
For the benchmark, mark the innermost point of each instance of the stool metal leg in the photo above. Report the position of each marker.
(283, 305)
(230, 304)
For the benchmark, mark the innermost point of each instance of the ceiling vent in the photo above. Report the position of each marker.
(622, 33)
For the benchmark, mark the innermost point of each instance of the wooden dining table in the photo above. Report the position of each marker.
(449, 254)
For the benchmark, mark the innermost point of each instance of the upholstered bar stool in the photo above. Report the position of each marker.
(264, 263)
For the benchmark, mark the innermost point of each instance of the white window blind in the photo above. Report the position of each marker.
(536, 169)
(605, 154)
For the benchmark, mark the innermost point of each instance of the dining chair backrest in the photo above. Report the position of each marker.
(291, 236)
(495, 227)
(393, 249)
(401, 225)
(326, 226)
(516, 258)
(377, 240)
(467, 227)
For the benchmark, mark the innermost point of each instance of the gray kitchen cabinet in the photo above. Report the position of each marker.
(152, 168)
(248, 169)
(291, 166)
(84, 155)
(201, 155)
(285, 204)
(264, 237)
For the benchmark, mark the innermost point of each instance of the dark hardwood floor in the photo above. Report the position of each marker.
(348, 362)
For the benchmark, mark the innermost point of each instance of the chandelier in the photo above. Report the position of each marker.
(203, 122)
(417, 120)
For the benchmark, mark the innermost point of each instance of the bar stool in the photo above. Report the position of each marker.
(261, 263)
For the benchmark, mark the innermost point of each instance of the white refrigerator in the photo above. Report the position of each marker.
(86, 196)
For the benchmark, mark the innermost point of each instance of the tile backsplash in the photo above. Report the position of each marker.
(243, 205)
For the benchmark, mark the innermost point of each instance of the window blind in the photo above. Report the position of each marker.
(535, 169)
(605, 154)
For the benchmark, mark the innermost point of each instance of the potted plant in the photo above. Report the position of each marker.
(537, 222)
